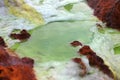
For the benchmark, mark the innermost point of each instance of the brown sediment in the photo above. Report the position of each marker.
(108, 11)
(15, 68)
(2, 42)
(113, 19)
(23, 35)
(76, 43)
(92, 3)
(82, 66)
(85, 50)
(94, 60)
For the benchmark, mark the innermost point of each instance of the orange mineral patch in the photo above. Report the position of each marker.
(15, 68)
(108, 11)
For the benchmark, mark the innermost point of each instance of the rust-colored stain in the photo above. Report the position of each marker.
(108, 11)
(2, 42)
(15, 68)
(94, 60)
(23, 35)
(76, 43)
(82, 66)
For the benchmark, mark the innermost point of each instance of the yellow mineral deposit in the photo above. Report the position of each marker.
(21, 9)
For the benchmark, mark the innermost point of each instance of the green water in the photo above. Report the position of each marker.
(52, 41)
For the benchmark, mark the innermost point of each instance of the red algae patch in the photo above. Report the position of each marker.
(108, 11)
(15, 68)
